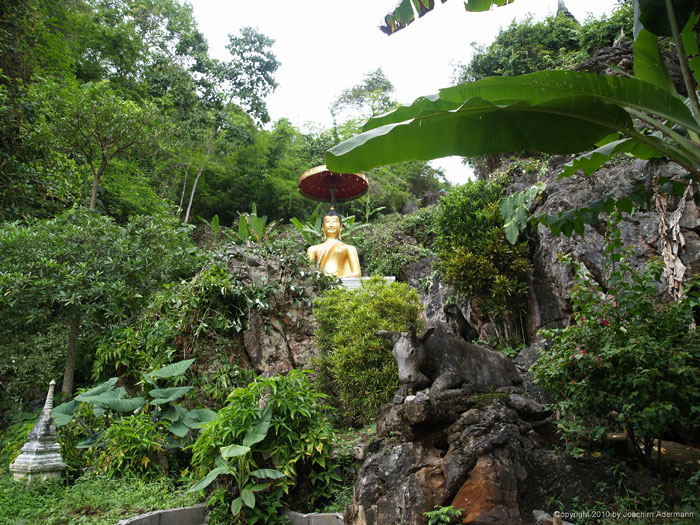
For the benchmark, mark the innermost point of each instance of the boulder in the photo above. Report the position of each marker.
(487, 454)
(279, 338)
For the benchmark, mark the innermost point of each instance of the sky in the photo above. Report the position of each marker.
(326, 46)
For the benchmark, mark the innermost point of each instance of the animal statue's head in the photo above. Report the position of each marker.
(409, 352)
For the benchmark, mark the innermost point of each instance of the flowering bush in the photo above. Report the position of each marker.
(629, 361)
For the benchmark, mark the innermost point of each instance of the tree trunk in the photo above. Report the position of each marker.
(182, 195)
(199, 174)
(69, 371)
(206, 157)
(96, 182)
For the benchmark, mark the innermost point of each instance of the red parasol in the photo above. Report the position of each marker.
(321, 184)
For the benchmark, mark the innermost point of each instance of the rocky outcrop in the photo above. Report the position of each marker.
(280, 337)
(551, 280)
(485, 453)
(618, 60)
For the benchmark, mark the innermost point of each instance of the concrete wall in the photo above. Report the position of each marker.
(182, 516)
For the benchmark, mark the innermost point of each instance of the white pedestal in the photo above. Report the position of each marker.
(354, 282)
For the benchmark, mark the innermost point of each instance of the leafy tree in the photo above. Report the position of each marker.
(127, 42)
(370, 98)
(247, 78)
(558, 42)
(83, 267)
(476, 259)
(93, 124)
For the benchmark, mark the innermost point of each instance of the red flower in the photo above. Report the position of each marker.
(603, 321)
(583, 351)
(597, 357)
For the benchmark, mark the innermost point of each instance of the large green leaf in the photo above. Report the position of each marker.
(213, 474)
(199, 417)
(257, 432)
(248, 497)
(480, 127)
(112, 399)
(540, 87)
(236, 506)
(179, 429)
(107, 385)
(649, 64)
(484, 5)
(589, 162)
(267, 473)
(692, 49)
(63, 413)
(172, 370)
(232, 451)
(652, 14)
(126, 405)
(167, 395)
(404, 13)
(549, 111)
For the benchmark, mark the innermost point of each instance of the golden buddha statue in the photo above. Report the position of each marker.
(333, 256)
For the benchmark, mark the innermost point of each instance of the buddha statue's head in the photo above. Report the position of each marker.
(332, 224)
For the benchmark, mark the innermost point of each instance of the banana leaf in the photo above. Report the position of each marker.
(550, 111)
(480, 127)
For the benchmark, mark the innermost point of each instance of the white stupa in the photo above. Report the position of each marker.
(41, 455)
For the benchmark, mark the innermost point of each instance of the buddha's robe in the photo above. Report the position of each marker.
(334, 257)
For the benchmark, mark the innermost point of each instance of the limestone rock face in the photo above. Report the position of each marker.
(551, 280)
(450, 450)
(485, 453)
(281, 337)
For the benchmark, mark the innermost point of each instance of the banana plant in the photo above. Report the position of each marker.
(557, 112)
(244, 472)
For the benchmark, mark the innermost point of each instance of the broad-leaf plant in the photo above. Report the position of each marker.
(556, 112)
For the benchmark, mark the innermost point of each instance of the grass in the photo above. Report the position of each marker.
(91, 500)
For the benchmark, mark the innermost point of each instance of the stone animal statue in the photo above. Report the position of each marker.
(444, 362)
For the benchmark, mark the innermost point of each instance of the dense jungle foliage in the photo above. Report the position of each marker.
(131, 161)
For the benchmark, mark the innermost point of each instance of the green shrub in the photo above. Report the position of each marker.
(355, 364)
(131, 446)
(296, 443)
(442, 515)
(129, 436)
(629, 362)
(396, 241)
(475, 257)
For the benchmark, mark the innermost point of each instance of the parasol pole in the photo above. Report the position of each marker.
(332, 196)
